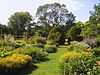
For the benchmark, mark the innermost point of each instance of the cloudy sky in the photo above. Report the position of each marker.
(80, 8)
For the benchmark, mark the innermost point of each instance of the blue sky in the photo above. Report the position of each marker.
(80, 8)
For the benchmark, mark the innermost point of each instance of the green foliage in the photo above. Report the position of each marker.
(79, 47)
(56, 35)
(35, 52)
(74, 55)
(74, 32)
(2, 42)
(79, 63)
(6, 48)
(96, 51)
(39, 40)
(80, 66)
(48, 15)
(4, 53)
(50, 48)
(18, 21)
(89, 30)
(14, 62)
(98, 40)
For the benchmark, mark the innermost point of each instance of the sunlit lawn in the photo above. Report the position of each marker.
(49, 67)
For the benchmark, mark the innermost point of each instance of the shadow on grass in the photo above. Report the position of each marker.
(24, 71)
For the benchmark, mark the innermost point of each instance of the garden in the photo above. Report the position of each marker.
(54, 46)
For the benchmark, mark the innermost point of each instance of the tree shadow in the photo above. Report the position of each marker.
(24, 71)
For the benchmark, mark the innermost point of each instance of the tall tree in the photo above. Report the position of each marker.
(54, 14)
(95, 17)
(18, 21)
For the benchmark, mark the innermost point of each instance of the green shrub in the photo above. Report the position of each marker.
(14, 62)
(98, 40)
(4, 53)
(74, 32)
(2, 42)
(57, 35)
(39, 40)
(50, 48)
(74, 55)
(78, 47)
(6, 48)
(20, 41)
(79, 64)
(35, 52)
(96, 51)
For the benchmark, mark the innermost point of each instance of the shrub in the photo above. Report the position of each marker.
(2, 42)
(98, 40)
(50, 48)
(20, 41)
(78, 46)
(74, 55)
(6, 48)
(91, 42)
(74, 32)
(79, 64)
(57, 35)
(35, 52)
(39, 40)
(4, 53)
(14, 62)
(96, 52)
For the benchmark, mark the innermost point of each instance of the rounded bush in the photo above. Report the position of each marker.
(74, 32)
(57, 35)
(35, 52)
(50, 48)
(74, 55)
(14, 62)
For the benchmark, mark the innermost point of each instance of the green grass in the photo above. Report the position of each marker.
(49, 67)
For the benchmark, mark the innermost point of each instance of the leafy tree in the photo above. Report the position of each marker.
(74, 32)
(54, 14)
(89, 30)
(18, 21)
(57, 35)
(95, 17)
(3, 29)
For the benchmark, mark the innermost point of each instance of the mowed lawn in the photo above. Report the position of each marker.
(48, 67)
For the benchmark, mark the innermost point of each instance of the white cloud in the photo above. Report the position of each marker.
(72, 5)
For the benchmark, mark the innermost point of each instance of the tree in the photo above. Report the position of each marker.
(18, 21)
(57, 35)
(95, 17)
(3, 29)
(89, 30)
(53, 15)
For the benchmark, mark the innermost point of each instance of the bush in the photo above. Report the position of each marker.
(14, 63)
(6, 48)
(2, 42)
(74, 55)
(91, 42)
(57, 35)
(50, 48)
(4, 53)
(98, 40)
(74, 32)
(96, 52)
(35, 52)
(20, 41)
(39, 40)
(79, 47)
(79, 64)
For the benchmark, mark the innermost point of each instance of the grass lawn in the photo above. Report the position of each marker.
(49, 67)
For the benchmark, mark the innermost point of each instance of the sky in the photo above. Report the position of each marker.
(80, 8)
